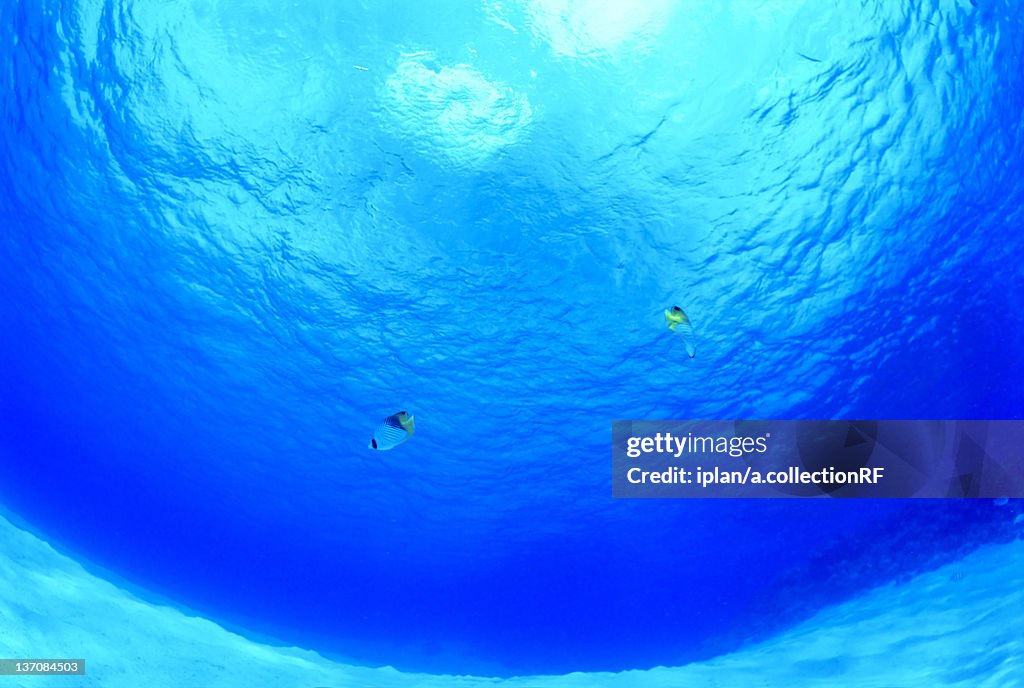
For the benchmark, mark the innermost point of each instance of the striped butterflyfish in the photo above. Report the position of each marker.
(392, 431)
(680, 324)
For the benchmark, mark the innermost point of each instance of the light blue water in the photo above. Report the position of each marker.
(234, 238)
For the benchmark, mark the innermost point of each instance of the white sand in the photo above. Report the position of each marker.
(962, 625)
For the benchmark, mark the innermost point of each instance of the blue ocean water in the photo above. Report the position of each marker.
(235, 238)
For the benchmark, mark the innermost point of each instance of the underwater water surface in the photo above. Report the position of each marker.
(234, 238)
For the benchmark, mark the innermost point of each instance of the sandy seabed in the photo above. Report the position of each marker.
(961, 625)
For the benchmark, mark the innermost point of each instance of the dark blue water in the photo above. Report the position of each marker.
(235, 238)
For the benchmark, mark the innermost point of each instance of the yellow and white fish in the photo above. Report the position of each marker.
(392, 431)
(680, 324)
